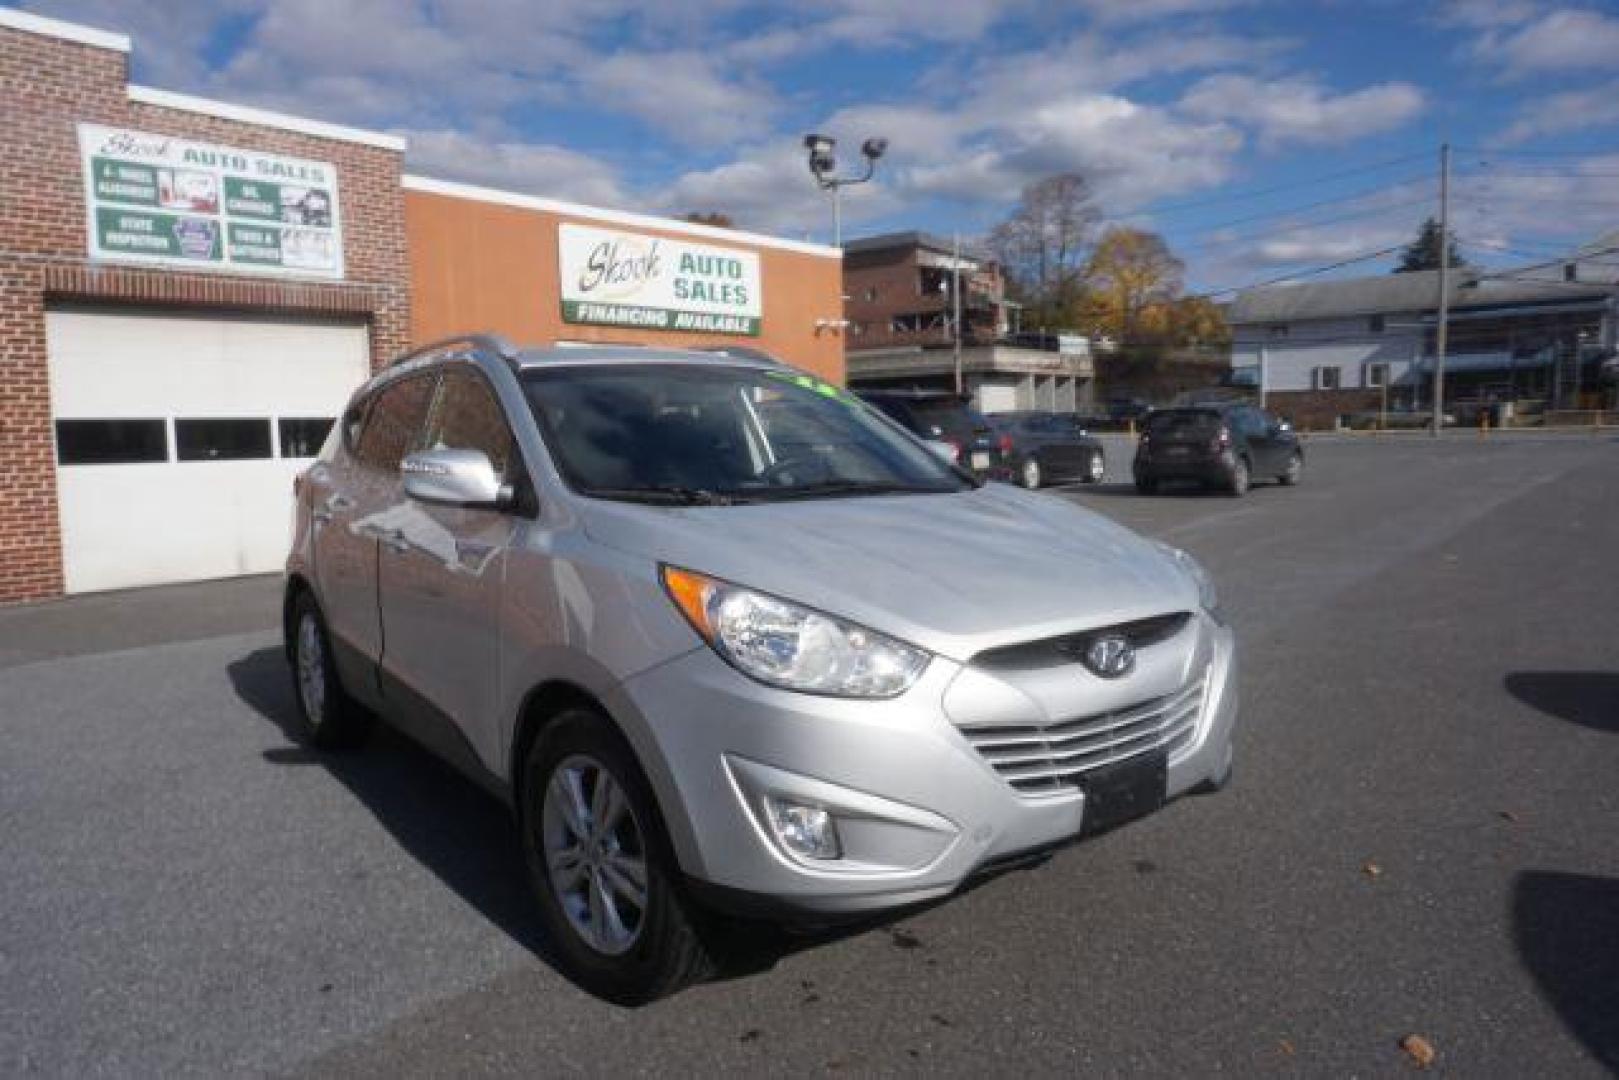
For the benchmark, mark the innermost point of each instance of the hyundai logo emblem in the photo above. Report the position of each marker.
(1110, 656)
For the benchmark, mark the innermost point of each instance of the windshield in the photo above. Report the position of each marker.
(687, 434)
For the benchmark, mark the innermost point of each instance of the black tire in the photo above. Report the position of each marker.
(1238, 483)
(1146, 485)
(1095, 469)
(668, 951)
(327, 716)
(1029, 474)
(1294, 471)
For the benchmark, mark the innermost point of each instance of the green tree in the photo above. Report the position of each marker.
(1423, 252)
(710, 217)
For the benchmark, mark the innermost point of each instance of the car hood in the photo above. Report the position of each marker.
(955, 573)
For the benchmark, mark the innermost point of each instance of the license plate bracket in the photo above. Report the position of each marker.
(1126, 790)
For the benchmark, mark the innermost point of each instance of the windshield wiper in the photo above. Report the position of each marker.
(666, 494)
(834, 488)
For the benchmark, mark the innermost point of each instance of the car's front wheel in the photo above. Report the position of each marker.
(1294, 471)
(1096, 468)
(1029, 474)
(602, 867)
(327, 716)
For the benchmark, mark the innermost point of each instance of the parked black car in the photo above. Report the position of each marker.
(1227, 446)
(948, 421)
(1048, 448)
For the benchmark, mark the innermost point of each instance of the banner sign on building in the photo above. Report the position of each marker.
(652, 282)
(154, 199)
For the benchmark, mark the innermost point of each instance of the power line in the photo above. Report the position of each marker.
(1295, 275)
(1301, 226)
(1485, 153)
(1364, 194)
(1262, 192)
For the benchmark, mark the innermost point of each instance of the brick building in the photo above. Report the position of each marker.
(190, 289)
(901, 328)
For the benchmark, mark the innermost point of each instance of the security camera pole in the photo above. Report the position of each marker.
(823, 165)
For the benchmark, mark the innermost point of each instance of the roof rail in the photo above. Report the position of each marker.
(491, 343)
(742, 352)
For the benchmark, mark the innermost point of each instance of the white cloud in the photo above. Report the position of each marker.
(513, 165)
(1558, 41)
(768, 188)
(1559, 114)
(1119, 11)
(1298, 111)
(683, 96)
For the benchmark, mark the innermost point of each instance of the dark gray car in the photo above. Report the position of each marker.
(1225, 445)
(1048, 448)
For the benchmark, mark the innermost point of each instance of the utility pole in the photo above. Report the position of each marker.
(1442, 331)
(955, 302)
(837, 216)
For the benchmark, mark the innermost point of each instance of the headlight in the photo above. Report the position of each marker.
(789, 646)
(1206, 594)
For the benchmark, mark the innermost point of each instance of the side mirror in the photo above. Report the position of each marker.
(464, 478)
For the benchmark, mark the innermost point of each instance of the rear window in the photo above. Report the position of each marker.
(1191, 422)
(951, 418)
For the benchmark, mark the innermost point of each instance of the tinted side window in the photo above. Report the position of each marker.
(467, 416)
(394, 424)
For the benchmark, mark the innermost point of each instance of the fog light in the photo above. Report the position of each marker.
(804, 830)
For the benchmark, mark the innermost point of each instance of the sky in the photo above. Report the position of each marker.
(1264, 139)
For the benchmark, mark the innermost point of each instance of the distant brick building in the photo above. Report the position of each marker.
(901, 328)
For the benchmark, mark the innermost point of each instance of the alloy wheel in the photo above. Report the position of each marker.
(311, 668)
(1031, 474)
(595, 854)
(1098, 468)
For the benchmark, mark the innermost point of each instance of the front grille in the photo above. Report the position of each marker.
(1070, 648)
(1042, 758)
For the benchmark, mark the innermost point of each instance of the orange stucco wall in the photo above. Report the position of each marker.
(478, 265)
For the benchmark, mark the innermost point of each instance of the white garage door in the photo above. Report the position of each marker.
(177, 438)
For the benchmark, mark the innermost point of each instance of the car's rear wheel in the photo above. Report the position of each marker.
(1240, 478)
(1096, 468)
(1294, 471)
(327, 716)
(1029, 474)
(602, 867)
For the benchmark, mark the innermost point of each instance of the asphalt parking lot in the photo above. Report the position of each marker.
(1421, 838)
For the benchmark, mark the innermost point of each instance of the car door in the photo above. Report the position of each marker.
(1262, 451)
(441, 575)
(347, 495)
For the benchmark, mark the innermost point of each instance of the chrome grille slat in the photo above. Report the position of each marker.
(1041, 759)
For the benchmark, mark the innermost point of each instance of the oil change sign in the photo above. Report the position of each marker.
(630, 279)
(153, 199)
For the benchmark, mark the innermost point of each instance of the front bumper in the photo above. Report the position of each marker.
(919, 811)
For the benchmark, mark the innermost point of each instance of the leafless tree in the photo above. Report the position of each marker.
(1044, 244)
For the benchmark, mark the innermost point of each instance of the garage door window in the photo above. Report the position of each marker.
(303, 436)
(111, 442)
(224, 439)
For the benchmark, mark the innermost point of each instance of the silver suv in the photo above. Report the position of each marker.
(726, 638)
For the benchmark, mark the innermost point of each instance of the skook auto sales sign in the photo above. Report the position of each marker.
(612, 278)
(154, 199)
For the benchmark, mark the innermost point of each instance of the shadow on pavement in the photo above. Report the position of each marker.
(1587, 698)
(447, 823)
(1566, 930)
(466, 837)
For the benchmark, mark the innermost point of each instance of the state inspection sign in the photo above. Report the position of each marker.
(158, 200)
(613, 278)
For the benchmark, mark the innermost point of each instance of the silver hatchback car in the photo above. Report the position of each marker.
(727, 639)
